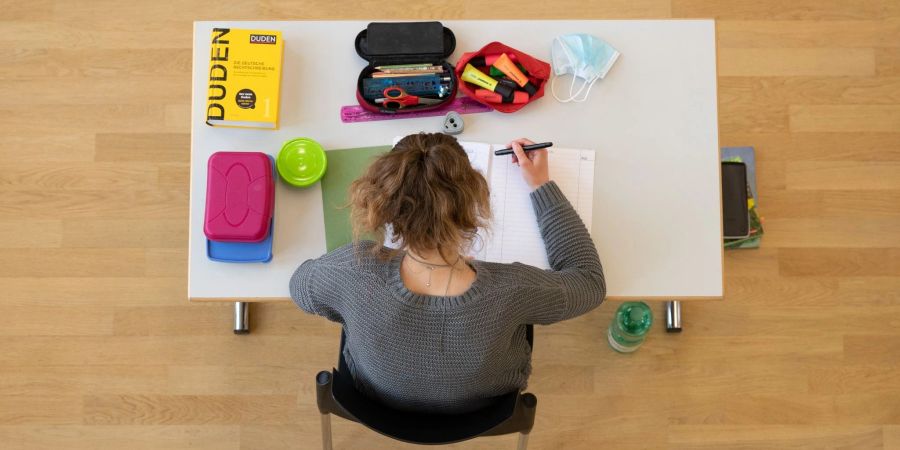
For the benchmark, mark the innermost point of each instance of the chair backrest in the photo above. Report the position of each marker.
(509, 413)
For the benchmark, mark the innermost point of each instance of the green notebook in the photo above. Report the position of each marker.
(344, 166)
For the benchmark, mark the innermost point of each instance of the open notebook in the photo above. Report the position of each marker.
(514, 235)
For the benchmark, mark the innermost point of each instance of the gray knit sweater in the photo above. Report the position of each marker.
(450, 354)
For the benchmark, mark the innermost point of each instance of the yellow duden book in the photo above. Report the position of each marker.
(244, 78)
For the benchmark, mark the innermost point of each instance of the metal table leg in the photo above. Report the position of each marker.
(673, 316)
(241, 318)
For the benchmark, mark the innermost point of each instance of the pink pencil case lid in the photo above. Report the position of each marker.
(240, 197)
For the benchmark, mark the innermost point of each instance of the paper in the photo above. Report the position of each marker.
(514, 234)
(479, 155)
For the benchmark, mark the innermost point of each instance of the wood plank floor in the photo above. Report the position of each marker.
(100, 349)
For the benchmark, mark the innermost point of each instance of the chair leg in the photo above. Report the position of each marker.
(523, 441)
(326, 431)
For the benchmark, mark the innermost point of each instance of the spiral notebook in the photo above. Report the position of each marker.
(514, 235)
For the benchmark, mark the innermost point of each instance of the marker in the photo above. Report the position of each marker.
(488, 60)
(518, 97)
(479, 78)
(507, 66)
(496, 73)
(509, 151)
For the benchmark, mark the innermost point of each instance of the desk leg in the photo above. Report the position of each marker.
(241, 318)
(673, 316)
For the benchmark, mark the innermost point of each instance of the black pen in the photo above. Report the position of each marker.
(509, 151)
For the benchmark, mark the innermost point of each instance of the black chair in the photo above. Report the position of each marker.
(336, 394)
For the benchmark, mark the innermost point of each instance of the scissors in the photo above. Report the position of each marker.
(395, 98)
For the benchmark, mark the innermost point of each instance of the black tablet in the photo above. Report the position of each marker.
(735, 214)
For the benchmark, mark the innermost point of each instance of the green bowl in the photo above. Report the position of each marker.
(301, 162)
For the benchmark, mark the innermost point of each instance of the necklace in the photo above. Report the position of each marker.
(431, 268)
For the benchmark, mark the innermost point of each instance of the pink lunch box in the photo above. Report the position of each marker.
(240, 197)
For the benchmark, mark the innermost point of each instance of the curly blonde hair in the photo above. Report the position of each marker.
(429, 194)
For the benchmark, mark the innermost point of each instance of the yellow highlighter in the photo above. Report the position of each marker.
(479, 78)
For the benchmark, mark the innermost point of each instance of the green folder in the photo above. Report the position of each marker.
(344, 166)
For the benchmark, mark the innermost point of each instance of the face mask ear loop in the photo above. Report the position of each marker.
(571, 87)
(553, 90)
(588, 91)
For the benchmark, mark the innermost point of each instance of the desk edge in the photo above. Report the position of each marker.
(615, 298)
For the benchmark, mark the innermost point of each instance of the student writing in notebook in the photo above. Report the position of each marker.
(427, 328)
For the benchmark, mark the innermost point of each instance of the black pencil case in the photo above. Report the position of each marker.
(395, 43)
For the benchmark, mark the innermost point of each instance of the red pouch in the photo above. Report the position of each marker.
(538, 74)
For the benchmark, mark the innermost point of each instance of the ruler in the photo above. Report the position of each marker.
(462, 105)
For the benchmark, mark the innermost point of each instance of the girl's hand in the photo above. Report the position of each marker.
(535, 164)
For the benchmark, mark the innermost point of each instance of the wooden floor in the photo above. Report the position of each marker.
(100, 349)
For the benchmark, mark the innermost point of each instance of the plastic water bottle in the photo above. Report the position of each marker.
(630, 326)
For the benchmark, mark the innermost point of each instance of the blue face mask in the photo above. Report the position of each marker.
(583, 56)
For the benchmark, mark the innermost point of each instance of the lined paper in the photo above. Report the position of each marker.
(480, 156)
(514, 234)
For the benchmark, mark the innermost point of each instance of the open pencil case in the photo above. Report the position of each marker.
(405, 43)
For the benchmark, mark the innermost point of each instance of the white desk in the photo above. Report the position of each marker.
(653, 122)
